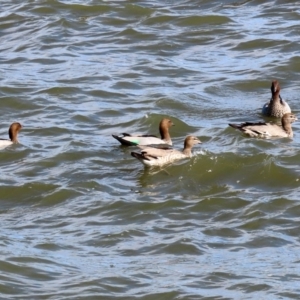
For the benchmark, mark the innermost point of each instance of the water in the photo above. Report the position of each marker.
(80, 217)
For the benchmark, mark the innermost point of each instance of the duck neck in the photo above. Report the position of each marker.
(165, 135)
(280, 99)
(12, 136)
(287, 126)
(187, 150)
(276, 98)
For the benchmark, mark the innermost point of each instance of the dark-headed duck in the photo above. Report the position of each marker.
(127, 139)
(13, 135)
(276, 107)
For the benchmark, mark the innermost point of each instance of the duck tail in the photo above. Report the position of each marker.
(139, 156)
(123, 141)
(236, 126)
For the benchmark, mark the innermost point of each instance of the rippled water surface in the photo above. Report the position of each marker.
(80, 217)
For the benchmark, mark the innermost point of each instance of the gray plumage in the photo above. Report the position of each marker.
(267, 130)
(157, 157)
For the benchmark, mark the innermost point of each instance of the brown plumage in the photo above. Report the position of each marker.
(276, 107)
(13, 135)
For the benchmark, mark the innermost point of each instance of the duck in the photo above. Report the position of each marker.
(127, 139)
(150, 156)
(276, 107)
(13, 135)
(267, 130)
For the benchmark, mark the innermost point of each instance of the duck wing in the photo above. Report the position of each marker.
(264, 130)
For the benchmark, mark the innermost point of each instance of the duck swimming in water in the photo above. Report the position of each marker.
(127, 139)
(150, 156)
(276, 107)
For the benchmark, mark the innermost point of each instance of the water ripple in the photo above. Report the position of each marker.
(80, 216)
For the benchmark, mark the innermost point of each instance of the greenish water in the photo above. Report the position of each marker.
(80, 217)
